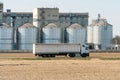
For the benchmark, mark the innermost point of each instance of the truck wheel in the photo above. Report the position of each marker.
(72, 54)
(84, 55)
(88, 54)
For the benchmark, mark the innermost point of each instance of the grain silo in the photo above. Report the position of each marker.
(76, 34)
(90, 34)
(107, 35)
(99, 33)
(27, 35)
(6, 37)
(51, 34)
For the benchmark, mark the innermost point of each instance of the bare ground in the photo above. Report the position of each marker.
(93, 69)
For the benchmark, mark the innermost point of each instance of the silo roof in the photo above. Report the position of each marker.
(51, 25)
(4, 25)
(75, 25)
(27, 25)
(100, 22)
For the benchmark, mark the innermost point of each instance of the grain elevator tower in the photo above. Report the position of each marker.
(1, 12)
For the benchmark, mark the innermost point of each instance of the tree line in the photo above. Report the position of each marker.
(116, 40)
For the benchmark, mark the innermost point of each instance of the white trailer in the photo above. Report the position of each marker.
(51, 50)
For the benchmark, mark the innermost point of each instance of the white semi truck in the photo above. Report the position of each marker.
(51, 50)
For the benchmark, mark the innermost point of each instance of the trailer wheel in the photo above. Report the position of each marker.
(38, 55)
(72, 54)
(35, 54)
(43, 55)
(52, 55)
(49, 55)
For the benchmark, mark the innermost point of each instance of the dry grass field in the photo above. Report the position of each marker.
(93, 68)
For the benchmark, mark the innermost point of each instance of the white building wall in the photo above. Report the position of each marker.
(44, 16)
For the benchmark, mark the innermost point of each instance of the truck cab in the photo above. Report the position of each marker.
(85, 50)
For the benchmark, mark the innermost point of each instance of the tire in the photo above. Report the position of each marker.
(44, 55)
(84, 55)
(36, 55)
(72, 54)
(88, 54)
(48, 55)
(52, 55)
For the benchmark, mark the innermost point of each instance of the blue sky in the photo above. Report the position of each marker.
(108, 9)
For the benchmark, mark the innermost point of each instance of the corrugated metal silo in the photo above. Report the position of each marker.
(6, 37)
(97, 35)
(51, 34)
(27, 35)
(89, 34)
(102, 34)
(106, 36)
(76, 34)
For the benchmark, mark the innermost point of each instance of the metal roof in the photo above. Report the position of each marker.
(100, 22)
(4, 25)
(75, 25)
(51, 25)
(27, 25)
